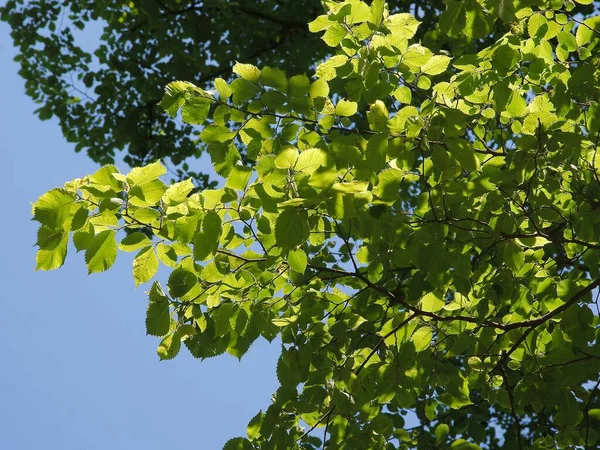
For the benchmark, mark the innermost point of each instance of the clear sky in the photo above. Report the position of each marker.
(77, 370)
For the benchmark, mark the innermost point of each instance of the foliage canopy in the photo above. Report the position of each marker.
(418, 226)
(146, 44)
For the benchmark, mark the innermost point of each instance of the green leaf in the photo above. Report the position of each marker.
(206, 241)
(243, 90)
(178, 192)
(286, 158)
(310, 160)
(195, 110)
(585, 32)
(247, 72)
(157, 314)
(464, 154)
(462, 444)
(169, 347)
(299, 86)
(253, 429)
(514, 256)
(53, 208)
(291, 228)
(105, 176)
(359, 12)
(334, 35)
(181, 281)
(378, 116)
(216, 133)
(436, 65)
(275, 78)
(389, 181)
(346, 108)
(422, 338)
(238, 444)
(297, 260)
(101, 253)
(174, 96)
(223, 88)
(403, 95)
(145, 265)
(147, 194)
(134, 241)
(319, 88)
(376, 12)
(403, 25)
(441, 432)
(431, 303)
(53, 248)
(142, 175)
(594, 413)
(453, 20)
(238, 178)
(167, 254)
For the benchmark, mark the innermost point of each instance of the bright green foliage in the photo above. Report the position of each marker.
(419, 229)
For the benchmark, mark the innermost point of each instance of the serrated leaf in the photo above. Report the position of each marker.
(403, 25)
(319, 88)
(178, 192)
(291, 227)
(253, 429)
(346, 108)
(101, 253)
(310, 160)
(441, 432)
(107, 176)
(247, 71)
(514, 257)
(147, 194)
(53, 208)
(167, 254)
(431, 303)
(134, 241)
(464, 153)
(286, 158)
(238, 444)
(243, 90)
(181, 281)
(274, 78)
(206, 241)
(403, 94)
(169, 347)
(378, 116)
(238, 178)
(376, 12)
(145, 265)
(297, 260)
(422, 338)
(436, 65)
(223, 88)
(174, 98)
(142, 175)
(157, 314)
(334, 34)
(216, 133)
(53, 249)
(195, 110)
(586, 30)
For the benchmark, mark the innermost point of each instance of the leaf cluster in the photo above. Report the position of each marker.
(418, 228)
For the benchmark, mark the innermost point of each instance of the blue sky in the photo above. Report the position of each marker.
(77, 370)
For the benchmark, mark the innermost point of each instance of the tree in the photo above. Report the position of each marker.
(419, 228)
(105, 99)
